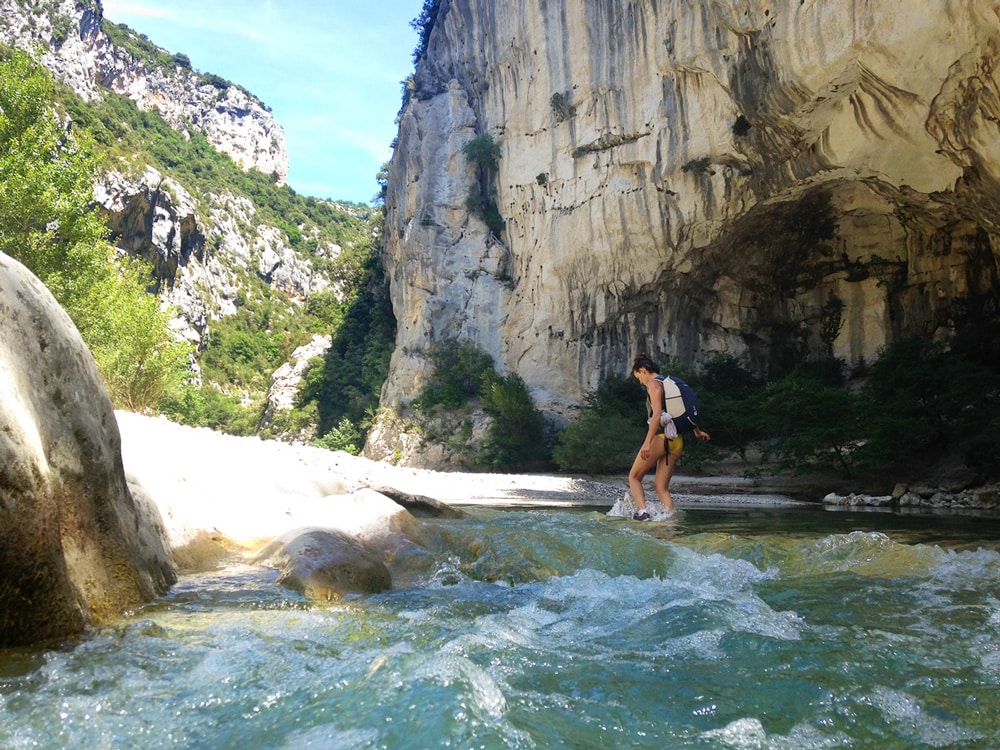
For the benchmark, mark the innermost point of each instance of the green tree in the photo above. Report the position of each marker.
(811, 425)
(726, 391)
(484, 152)
(516, 436)
(924, 400)
(48, 223)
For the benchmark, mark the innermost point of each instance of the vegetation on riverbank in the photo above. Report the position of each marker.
(921, 407)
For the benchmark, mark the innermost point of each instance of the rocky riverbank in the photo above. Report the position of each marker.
(246, 489)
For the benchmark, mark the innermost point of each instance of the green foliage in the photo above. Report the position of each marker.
(344, 437)
(423, 25)
(125, 135)
(347, 383)
(516, 436)
(608, 431)
(48, 223)
(810, 424)
(923, 400)
(141, 364)
(465, 374)
(831, 321)
(726, 392)
(156, 58)
(208, 407)
(243, 350)
(484, 153)
(460, 368)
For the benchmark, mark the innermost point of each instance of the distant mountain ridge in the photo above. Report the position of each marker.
(193, 180)
(87, 52)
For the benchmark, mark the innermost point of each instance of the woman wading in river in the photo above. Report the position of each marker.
(659, 449)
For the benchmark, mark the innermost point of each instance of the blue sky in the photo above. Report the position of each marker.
(330, 70)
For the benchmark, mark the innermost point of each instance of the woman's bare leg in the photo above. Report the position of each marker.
(661, 482)
(640, 467)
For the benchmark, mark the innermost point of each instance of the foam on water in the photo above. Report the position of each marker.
(551, 630)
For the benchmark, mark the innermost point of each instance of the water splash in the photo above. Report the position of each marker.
(539, 629)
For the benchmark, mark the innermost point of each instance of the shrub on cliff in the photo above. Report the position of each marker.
(464, 376)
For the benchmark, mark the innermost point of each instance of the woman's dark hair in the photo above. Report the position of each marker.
(643, 360)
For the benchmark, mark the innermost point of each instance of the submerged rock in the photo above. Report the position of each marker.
(325, 564)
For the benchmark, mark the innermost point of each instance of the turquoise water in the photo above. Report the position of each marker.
(742, 628)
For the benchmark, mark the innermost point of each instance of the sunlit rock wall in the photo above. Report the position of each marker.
(770, 180)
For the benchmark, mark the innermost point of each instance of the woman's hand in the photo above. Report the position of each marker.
(646, 449)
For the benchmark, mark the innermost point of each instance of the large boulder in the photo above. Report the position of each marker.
(76, 549)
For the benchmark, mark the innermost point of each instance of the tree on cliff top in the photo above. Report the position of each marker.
(48, 223)
(423, 25)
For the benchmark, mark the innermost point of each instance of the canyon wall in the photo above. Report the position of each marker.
(769, 180)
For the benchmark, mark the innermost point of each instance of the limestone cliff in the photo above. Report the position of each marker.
(767, 179)
(204, 249)
(74, 45)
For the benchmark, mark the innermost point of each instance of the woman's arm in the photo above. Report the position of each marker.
(655, 389)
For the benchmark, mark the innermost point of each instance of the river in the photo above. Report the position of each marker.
(545, 628)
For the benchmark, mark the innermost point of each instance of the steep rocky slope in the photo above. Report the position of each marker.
(768, 179)
(75, 46)
(220, 240)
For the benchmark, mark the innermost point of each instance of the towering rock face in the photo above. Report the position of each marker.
(76, 48)
(770, 180)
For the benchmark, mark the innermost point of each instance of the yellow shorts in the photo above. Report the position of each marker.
(674, 445)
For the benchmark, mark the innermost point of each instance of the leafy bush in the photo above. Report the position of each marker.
(924, 400)
(809, 423)
(483, 152)
(459, 371)
(206, 406)
(516, 436)
(726, 391)
(608, 431)
(344, 437)
(463, 375)
(48, 223)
